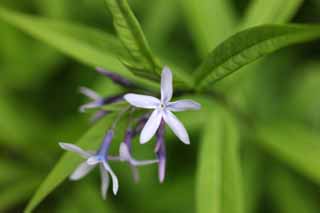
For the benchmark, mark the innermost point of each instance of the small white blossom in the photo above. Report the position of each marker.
(163, 109)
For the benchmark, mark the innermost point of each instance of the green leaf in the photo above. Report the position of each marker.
(248, 46)
(294, 144)
(69, 161)
(270, 12)
(206, 28)
(132, 37)
(89, 46)
(219, 179)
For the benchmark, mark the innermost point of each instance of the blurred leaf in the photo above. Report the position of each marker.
(132, 37)
(270, 12)
(248, 46)
(69, 161)
(291, 194)
(253, 176)
(294, 144)
(85, 198)
(87, 45)
(219, 181)
(160, 20)
(210, 22)
(17, 192)
(302, 103)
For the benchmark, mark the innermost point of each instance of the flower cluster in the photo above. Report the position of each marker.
(146, 125)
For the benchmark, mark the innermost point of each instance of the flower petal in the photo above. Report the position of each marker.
(82, 170)
(124, 152)
(183, 105)
(93, 160)
(162, 169)
(151, 126)
(73, 148)
(142, 101)
(105, 182)
(90, 93)
(115, 182)
(176, 126)
(91, 105)
(166, 85)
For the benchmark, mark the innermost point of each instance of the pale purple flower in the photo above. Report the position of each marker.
(97, 100)
(163, 109)
(126, 155)
(92, 160)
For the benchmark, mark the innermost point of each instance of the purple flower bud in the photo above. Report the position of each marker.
(161, 151)
(103, 151)
(116, 78)
(126, 155)
(140, 124)
(98, 101)
(98, 115)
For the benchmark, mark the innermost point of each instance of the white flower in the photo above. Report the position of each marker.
(163, 109)
(92, 160)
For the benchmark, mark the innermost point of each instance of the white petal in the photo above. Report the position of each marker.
(90, 105)
(166, 85)
(90, 93)
(93, 160)
(73, 148)
(115, 182)
(183, 105)
(176, 126)
(142, 101)
(151, 126)
(124, 152)
(143, 162)
(105, 181)
(82, 170)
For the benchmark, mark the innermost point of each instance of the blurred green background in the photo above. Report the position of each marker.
(39, 106)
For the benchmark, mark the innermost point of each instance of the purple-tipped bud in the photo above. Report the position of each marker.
(126, 155)
(161, 152)
(116, 78)
(103, 151)
(112, 99)
(98, 101)
(98, 115)
(140, 124)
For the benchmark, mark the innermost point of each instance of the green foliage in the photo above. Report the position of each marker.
(209, 21)
(89, 46)
(68, 162)
(258, 135)
(294, 144)
(248, 46)
(219, 181)
(131, 35)
(270, 12)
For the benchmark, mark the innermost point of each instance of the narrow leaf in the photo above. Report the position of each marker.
(248, 46)
(219, 181)
(89, 46)
(68, 162)
(294, 144)
(132, 37)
